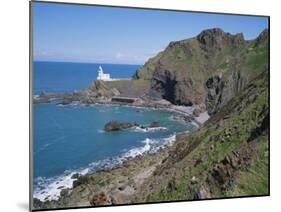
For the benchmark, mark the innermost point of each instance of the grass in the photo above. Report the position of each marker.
(256, 60)
(254, 180)
(251, 179)
(132, 88)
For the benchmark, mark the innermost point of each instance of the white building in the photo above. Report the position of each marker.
(102, 76)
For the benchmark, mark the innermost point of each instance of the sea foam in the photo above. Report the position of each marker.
(50, 188)
(148, 129)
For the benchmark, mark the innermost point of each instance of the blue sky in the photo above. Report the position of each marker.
(78, 33)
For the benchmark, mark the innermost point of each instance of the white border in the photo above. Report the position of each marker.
(14, 87)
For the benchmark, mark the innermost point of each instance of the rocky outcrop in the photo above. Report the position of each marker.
(154, 124)
(216, 40)
(214, 87)
(181, 72)
(117, 125)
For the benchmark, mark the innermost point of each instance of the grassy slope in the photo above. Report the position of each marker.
(130, 88)
(229, 130)
(187, 61)
(189, 58)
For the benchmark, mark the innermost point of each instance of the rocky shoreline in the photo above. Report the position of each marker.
(189, 113)
(109, 186)
(65, 99)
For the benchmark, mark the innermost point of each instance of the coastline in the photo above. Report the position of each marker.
(186, 111)
(159, 153)
(118, 183)
(66, 182)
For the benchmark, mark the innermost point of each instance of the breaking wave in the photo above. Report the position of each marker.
(50, 188)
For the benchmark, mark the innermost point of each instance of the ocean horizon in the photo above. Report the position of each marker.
(61, 76)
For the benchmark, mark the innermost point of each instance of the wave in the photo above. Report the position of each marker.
(100, 131)
(148, 129)
(50, 188)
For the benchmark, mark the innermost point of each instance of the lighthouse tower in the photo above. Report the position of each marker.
(103, 76)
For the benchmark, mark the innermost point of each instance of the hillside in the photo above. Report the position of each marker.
(207, 70)
(227, 157)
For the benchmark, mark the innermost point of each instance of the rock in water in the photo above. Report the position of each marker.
(75, 176)
(154, 124)
(116, 126)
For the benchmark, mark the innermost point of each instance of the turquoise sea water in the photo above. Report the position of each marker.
(71, 139)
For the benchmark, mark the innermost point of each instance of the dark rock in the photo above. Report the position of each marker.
(66, 101)
(214, 87)
(264, 126)
(37, 203)
(80, 181)
(75, 176)
(154, 124)
(222, 174)
(165, 85)
(262, 38)
(217, 39)
(60, 187)
(116, 126)
(64, 192)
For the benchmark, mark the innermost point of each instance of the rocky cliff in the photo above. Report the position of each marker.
(207, 70)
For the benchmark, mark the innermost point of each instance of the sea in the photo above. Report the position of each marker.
(70, 139)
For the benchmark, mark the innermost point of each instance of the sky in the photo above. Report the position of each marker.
(95, 34)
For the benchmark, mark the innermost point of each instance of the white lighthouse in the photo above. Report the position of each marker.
(103, 76)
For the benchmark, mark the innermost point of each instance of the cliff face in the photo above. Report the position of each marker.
(207, 70)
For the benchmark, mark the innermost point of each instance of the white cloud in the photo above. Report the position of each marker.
(121, 57)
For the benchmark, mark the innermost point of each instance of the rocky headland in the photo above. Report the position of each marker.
(215, 74)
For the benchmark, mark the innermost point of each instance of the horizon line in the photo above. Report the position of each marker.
(85, 62)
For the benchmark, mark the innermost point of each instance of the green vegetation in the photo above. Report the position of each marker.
(227, 132)
(131, 88)
(191, 62)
